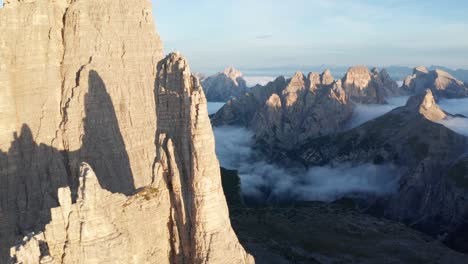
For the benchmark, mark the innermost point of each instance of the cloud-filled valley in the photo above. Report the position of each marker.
(364, 113)
(264, 180)
(253, 80)
(456, 107)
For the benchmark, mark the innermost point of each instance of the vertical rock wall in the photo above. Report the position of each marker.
(77, 80)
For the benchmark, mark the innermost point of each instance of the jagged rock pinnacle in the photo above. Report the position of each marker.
(426, 105)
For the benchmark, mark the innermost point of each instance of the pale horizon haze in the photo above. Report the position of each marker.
(251, 34)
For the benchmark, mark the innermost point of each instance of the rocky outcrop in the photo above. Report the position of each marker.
(431, 161)
(426, 105)
(288, 112)
(308, 107)
(442, 84)
(101, 227)
(369, 87)
(224, 86)
(79, 83)
(200, 219)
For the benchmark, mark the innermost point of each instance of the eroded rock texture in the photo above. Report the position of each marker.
(369, 87)
(442, 84)
(77, 85)
(288, 112)
(308, 107)
(224, 86)
(201, 229)
(77, 80)
(101, 227)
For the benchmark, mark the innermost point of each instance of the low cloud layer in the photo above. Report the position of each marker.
(456, 106)
(364, 113)
(254, 80)
(264, 181)
(214, 107)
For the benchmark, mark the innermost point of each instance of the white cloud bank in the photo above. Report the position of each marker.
(456, 106)
(214, 107)
(263, 180)
(364, 113)
(254, 80)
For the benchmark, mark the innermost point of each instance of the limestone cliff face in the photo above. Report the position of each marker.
(77, 80)
(101, 227)
(224, 85)
(308, 107)
(78, 84)
(442, 84)
(201, 228)
(426, 105)
(369, 87)
(288, 112)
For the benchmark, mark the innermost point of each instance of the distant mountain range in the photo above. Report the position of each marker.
(398, 73)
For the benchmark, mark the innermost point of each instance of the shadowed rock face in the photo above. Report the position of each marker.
(36, 172)
(58, 61)
(81, 89)
(431, 160)
(224, 86)
(442, 84)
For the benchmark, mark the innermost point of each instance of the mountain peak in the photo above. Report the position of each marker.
(232, 72)
(426, 105)
(327, 77)
(420, 69)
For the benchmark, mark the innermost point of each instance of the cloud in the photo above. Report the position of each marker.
(456, 106)
(364, 113)
(266, 181)
(214, 107)
(254, 80)
(269, 36)
(457, 124)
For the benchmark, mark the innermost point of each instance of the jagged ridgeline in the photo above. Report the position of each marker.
(106, 149)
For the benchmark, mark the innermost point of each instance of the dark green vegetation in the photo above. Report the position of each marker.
(459, 173)
(316, 232)
(232, 188)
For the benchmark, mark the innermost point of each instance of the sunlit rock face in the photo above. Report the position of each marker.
(200, 222)
(307, 107)
(77, 82)
(78, 85)
(224, 85)
(369, 87)
(101, 227)
(442, 84)
(286, 112)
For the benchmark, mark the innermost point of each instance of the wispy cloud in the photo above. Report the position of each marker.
(268, 36)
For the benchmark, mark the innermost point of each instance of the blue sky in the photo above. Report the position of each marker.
(265, 33)
(274, 33)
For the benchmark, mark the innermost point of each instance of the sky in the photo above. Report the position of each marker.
(214, 34)
(251, 34)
